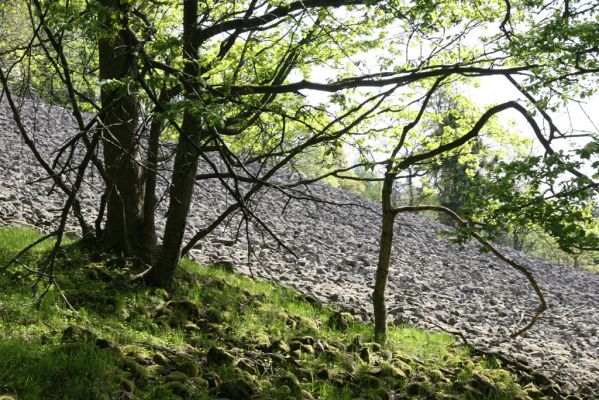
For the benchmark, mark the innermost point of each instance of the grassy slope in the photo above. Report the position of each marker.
(214, 334)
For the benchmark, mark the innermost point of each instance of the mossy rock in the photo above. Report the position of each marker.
(297, 354)
(137, 371)
(370, 382)
(218, 356)
(340, 320)
(330, 356)
(214, 316)
(196, 341)
(308, 340)
(392, 371)
(365, 355)
(377, 394)
(307, 325)
(200, 382)
(214, 380)
(295, 345)
(161, 359)
(240, 389)
(405, 367)
(437, 376)
(356, 344)
(161, 293)
(7, 397)
(185, 309)
(291, 322)
(533, 391)
(291, 381)
(282, 392)
(190, 328)
(247, 365)
(140, 358)
(155, 370)
(73, 347)
(99, 272)
(482, 384)
(307, 349)
(75, 333)
(189, 368)
(374, 346)
(177, 376)
(419, 388)
(280, 346)
(127, 385)
(102, 304)
(178, 388)
(324, 373)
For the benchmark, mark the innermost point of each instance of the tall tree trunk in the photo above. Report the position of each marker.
(382, 270)
(151, 172)
(186, 161)
(124, 189)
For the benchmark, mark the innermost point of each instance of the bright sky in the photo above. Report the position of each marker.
(574, 118)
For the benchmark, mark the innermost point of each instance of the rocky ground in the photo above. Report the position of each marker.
(433, 283)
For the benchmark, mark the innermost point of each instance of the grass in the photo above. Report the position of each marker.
(213, 334)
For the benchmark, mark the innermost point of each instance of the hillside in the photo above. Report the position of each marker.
(214, 334)
(433, 284)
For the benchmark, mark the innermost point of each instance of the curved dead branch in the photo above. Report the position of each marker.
(462, 223)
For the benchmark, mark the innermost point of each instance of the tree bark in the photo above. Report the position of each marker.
(124, 174)
(151, 172)
(186, 161)
(382, 270)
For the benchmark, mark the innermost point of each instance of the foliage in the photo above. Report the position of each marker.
(528, 192)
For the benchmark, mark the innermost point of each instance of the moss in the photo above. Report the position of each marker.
(137, 371)
(280, 346)
(241, 389)
(291, 381)
(160, 359)
(189, 368)
(340, 320)
(75, 333)
(127, 385)
(214, 327)
(218, 356)
(178, 388)
(176, 376)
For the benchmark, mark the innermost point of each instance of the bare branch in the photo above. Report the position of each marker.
(462, 223)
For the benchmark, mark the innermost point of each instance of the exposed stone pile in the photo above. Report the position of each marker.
(433, 283)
